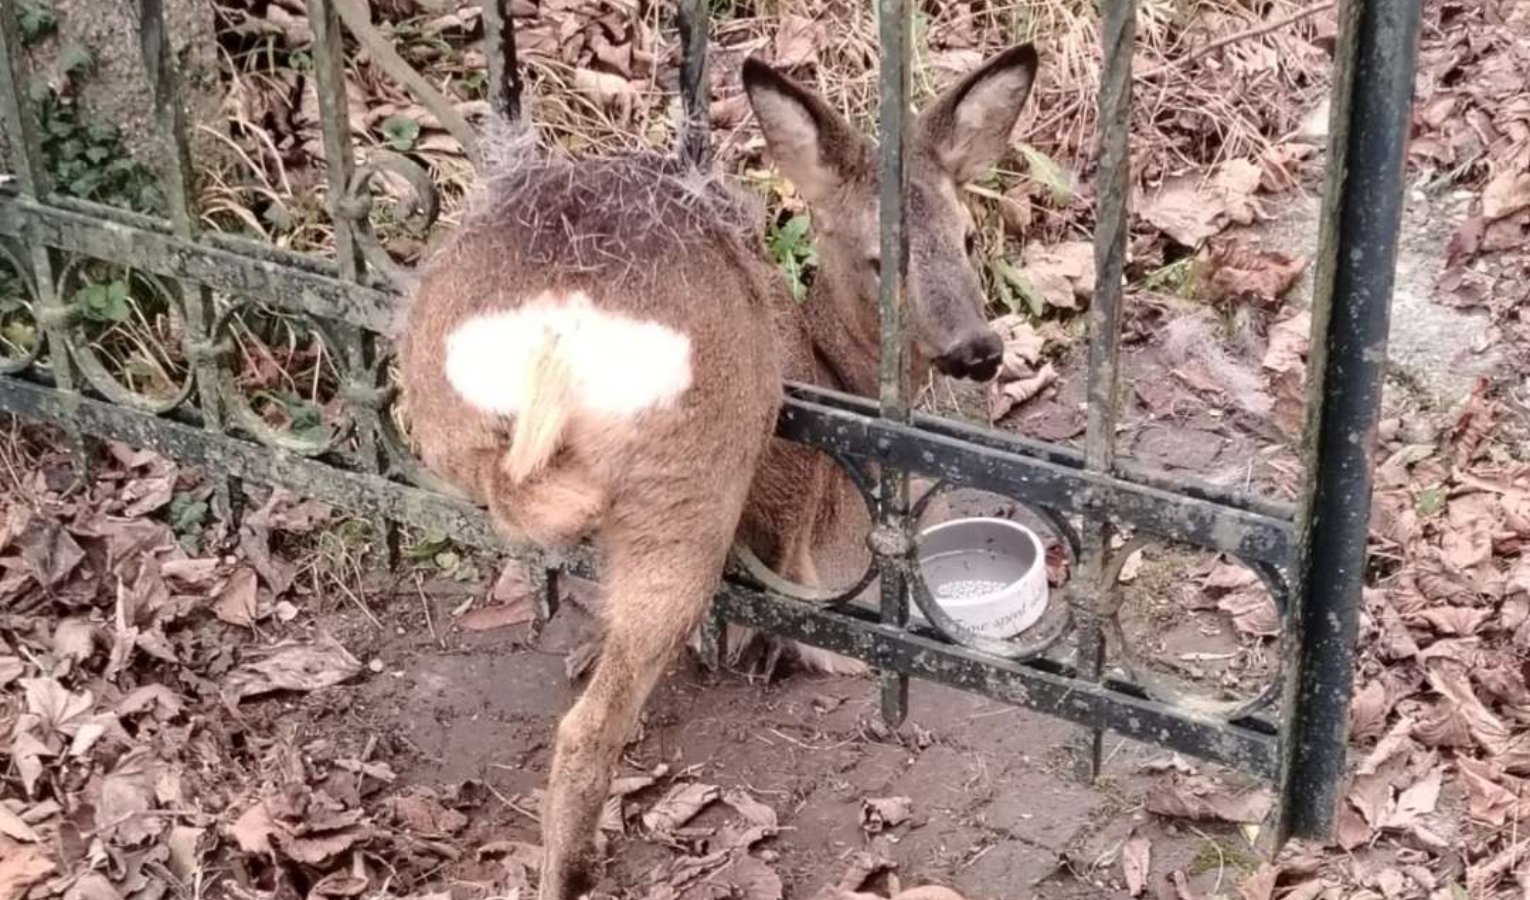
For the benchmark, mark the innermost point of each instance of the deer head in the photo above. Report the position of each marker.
(834, 168)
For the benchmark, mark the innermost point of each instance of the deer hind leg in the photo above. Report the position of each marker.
(656, 595)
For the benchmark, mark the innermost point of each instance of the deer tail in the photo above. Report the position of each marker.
(544, 415)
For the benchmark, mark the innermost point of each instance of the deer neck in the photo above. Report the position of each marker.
(843, 335)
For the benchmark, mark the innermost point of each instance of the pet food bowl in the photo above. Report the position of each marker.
(990, 575)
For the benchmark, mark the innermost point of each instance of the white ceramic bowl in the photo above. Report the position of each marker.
(990, 575)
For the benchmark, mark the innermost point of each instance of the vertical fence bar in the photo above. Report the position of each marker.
(339, 165)
(893, 39)
(1362, 211)
(695, 97)
(362, 396)
(178, 179)
(24, 139)
(1117, 31)
(505, 86)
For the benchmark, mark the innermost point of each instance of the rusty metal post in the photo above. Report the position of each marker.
(1118, 27)
(894, 28)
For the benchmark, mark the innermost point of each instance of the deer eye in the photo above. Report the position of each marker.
(875, 265)
(970, 242)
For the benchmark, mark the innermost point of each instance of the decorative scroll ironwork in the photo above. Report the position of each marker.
(1064, 667)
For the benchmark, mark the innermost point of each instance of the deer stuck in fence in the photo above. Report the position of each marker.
(599, 351)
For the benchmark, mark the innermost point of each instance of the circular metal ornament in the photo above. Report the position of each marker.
(744, 563)
(10, 365)
(89, 361)
(401, 460)
(1161, 688)
(1055, 622)
(238, 405)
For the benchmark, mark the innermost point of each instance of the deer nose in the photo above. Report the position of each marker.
(975, 356)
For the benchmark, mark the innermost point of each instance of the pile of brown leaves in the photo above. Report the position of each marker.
(1472, 129)
(124, 653)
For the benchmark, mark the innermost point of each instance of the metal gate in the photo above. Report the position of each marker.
(1312, 557)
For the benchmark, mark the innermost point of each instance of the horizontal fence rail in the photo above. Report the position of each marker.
(1310, 556)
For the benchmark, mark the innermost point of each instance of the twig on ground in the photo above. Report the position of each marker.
(1246, 34)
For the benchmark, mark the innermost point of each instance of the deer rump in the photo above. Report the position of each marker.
(589, 327)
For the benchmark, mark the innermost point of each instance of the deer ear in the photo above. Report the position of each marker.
(968, 127)
(815, 148)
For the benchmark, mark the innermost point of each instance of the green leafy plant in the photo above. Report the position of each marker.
(188, 519)
(793, 251)
(105, 302)
(401, 132)
(1014, 290)
(1046, 172)
(18, 329)
(38, 21)
(305, 420)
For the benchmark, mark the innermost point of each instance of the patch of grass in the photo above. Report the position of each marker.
(1179, 278)
(1216, 855)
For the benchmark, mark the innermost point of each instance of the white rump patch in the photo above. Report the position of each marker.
(619, 366)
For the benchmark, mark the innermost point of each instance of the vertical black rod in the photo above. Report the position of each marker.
(695, 93)
(1117, 33)
(893, 38)
(504, 69)
(1363, 202)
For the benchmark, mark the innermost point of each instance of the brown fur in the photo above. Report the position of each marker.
(664, 495)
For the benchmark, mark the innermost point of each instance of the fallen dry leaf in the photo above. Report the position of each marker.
(1003, 398)
(1459, 718)
(1506, 194)
(796, 41)
(680, 805)
(1191, 212)
(1199, 798)
(1417, 801)
(513, 602)
(1232, 273)
(20, 868)
(424, 815)
(236, 603)
(1260, 885)
(126, 799)
(11, 668)
(1136, 863)
(1023, 345)
(881, 813)
(294, 666)
(1289, 338)
(1253, 611)
(57, 708)
(92, 886)
(1489, 800)
(51, 554)
(1062, 274)
(1368, 711)
(15, 827)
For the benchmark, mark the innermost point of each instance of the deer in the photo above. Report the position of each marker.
(598, 353)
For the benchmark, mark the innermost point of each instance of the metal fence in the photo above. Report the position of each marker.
(1312, 556)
